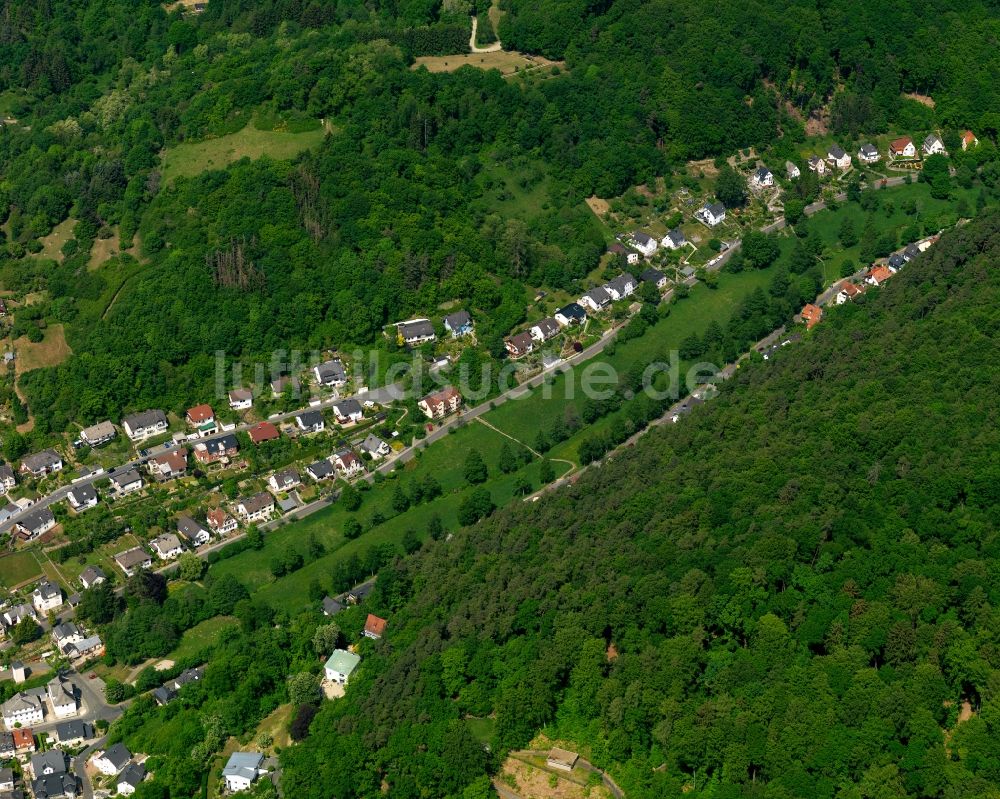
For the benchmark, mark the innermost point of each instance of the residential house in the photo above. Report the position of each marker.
(674, 239)
(257, 508)
(910, 251)
(331, 607)
(933, 145)
(52, 761)
(7, 774)
(572, 314)
(310, 422)
(519, 344)
(838, 157)
(263, 431)
(348, 464)
(15, 614)
(812, 315)
(969, 140)
(868, 153)
(620, 287)
(285, 480)
(902, 147)
(66, 633)
(62, 696)
(220, 522)
(112, 760)
(192, 532)
(34, 523)
(644, 243)
(47, 596)
(320, 470)
(217, 450)
(7, 749)
(654, 276)
(440, 403)
(92, 646)
(242, 770)
(132, 560)
(202, 418)
(7, 478)
(458, 324)
(126, 482)
(792, 171)
(131, 777)
(712, 214)
(42, 463)
(878, 275)
(895, 262)
(761, 178)
(170, 465)
(166, 546)
(374, 627)
(22, 708)
(24, 740)
(140, 426)
(240, 399)
(91, 576)
(415, 331)
(340, 665)
(97, 434)
(82, 497)
(330, 373)
(848, 291)
(817, 165)
(54, 786)
(285, 383)
(630, 256)
(544, 329)
(72, 732)
(8, 511)
(375, 447)
(597, 299)
(348, 411)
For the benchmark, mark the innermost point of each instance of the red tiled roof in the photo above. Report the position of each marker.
(217, 517)
(898, 145)
(374, 625)
(812, 315)
(23, 736)
(200, 413)
(265, 431)
(881, 273)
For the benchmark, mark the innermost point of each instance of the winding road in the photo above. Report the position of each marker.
(490, 48)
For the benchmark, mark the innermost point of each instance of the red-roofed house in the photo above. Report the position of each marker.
(441, 403)
(221, 522)
(202, 417)
(265, 431)
(848, 291)
(374, 627)
(24, 739)
(969, 140)
(903, 147)
(172, 464)
(879, 274)
(812, 315)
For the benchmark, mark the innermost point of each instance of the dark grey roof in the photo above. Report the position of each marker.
(127, 478)
(572, 311)
(762, 172)
(320, 469)
(548, 326)
(419, 329)
(836, 151)
(258, 502)
(222, 443)
(74, 728)
(53, 762)
(599, 295)
(310, 418)
(145, 419)
(347, 406)
(54, 785)
(163, 695)
(716, 209)
(676, 236)
(36, 519)
(641, 238)
(83, 494)
(331, 371)
(911, 251)
(118, 755)
(651, 276)
(92, 573)
(868, 149)
(896, 260)
(620, 284)
(133, 774)
(457, 320)
(331, 607)
(45, 459)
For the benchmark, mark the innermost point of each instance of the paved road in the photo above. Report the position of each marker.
(80, 767)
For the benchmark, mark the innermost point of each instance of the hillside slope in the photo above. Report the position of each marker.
(799, 582)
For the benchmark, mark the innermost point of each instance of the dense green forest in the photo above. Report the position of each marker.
(396, 211)
(798, 582)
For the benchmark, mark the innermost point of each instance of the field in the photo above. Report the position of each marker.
(18, 568)
(508, 62)
(53, 243)
(50, 351)
(201, 636)
(193, 158)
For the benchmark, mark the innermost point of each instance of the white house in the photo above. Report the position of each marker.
(620, 287)
(712, 214)
(761, 178)
(348, 411)
(348, 464)
(193, 532)
(242, 770)
(131, 777)
(221, 523)
(167, 546)
(415, 331)
(375, 447)
(597, 299)
(35, 523)
(61, 694)
(673, 240)
(838, 157)
(933, 146)
(330, 373)
(544, 329)
(285, 480)
(132, 560)
(256, 508)
(310, 422)
(340, 666)
(902, 147)
(112, 760)
(868, 153)
(82, 497)
(98, 434)
(22, 709)
(792, 170)
(140, 426)
(127, 482)
(644, 243)
(439, 404)
(66, 633)
(91, 576)
(817, 165)
(571, 314)
(240, 399)
(969, 140)
(458, 324)
(47, 596)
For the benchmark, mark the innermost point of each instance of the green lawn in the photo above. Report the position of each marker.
(19, 567)
(201, 636)
(192, 158)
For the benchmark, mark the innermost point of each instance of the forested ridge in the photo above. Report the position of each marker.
(396, 213)
(789, 594)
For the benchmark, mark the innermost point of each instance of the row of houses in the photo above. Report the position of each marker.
(59, 698)
(117, 761)
(414, 332)
(900, 148)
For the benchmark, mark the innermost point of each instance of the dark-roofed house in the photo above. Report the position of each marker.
(320, 470)
(131, 777)
(330, 373)
(310, 422)
(933, 145)
(414, 332)
(112, 760)
(216, 450)
(331, 607)
(47, 596)
(82, 497)
(544, 329)
(654, 276)
(285, 383)
(910, 252)
(72, 732)
(34, 523)
(54, 786)
(375, 447)
(256, 508)
(644, 243)
(674, 239)
(838, 156)
(868, 153)
(140, 426)
(519, 344)
(285, 480)
(458, 323)
(42, 463)
(7, 478)
(596, 299)
(348, 411)
(620, 287)
(91, 576)
(126, 482)
(712, 214)
(132, 560)
(761, 178)
(192, 532)
(571, 314)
